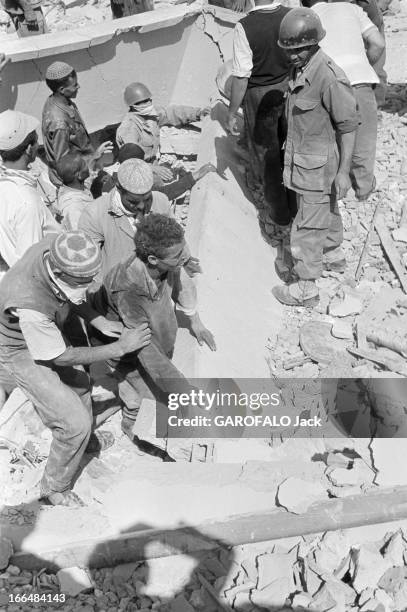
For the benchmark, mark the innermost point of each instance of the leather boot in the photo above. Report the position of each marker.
(302, 293)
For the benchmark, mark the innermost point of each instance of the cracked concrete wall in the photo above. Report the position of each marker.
(209, 45)
(167, 49)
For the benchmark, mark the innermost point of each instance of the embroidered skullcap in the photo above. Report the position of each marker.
(76, 254)
(58, 70)
(14, 128)
(135, 176)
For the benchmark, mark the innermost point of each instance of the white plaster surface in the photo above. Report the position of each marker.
(234, 291)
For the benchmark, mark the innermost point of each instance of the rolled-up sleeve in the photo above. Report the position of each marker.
(44, 340)
(242, 54)
(340, 103)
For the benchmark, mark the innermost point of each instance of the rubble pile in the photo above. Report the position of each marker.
(320, 573)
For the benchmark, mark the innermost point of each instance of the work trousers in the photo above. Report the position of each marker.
(364, 152)
(265, 138)
(61, 397)
(316, 230)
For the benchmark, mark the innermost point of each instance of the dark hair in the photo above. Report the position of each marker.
(68, 166)
(130, 150)
(55, 84)
(102, 183)
(155, 233)
(14, 154)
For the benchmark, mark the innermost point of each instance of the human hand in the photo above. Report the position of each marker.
(164, 173)
(342, 184)
(105, 147)
(203, 170)
(201, 333)
(134, 339)
(239, 6)
(193, 266)
(231, 125)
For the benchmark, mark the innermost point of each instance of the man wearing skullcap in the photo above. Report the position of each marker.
(36, 296)
(112, 219)
(141, 125)
(27, 16)
(63, 129)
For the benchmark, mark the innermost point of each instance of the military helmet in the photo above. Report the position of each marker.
(136, 92)
(300, 27)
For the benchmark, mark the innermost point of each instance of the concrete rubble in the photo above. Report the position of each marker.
(317, 572)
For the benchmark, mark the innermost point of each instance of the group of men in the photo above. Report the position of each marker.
(95, 277)
(308, 79)
(91, 280)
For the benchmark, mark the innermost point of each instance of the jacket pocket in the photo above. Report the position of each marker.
(309, 171)
(306, 104)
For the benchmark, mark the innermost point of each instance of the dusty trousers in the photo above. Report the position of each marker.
(265, 128)
(316, 230)
(61, 398)
(364, 152)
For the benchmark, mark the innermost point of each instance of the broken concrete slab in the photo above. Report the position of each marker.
(272, 567)
(367, 566)
(350, 305)
(394, 549)
(400, 234)
(342, 329)
(297, 495)
(389, 460)
(74, 580)
(394, 583)
(318, 343)
(274, 595)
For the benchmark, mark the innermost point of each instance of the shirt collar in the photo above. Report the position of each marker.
(266, 7)
(65, 106)
(28, 176)
(116, 206)
(299, 78)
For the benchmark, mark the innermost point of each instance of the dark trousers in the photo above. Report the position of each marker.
(265, 126)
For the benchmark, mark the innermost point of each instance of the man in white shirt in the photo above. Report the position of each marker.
(355, 44)
(24, 218)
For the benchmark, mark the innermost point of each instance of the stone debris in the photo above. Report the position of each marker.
(324, 572)
(342, 329)
(296, 495)
(6, 550)
(400, 234)
(350, 305)
(74, 580)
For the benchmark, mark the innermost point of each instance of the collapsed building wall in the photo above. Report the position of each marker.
(169, 49)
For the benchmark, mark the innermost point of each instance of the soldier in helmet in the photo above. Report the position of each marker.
(141, 125)
(322, 118)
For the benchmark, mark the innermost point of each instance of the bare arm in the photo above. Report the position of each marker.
(239, 87)
(130, 340)
(346, 143)
(374, 44)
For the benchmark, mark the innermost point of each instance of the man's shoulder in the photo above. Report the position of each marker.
(330, 71)
(161, 203)
(97, 209)
(54, 116)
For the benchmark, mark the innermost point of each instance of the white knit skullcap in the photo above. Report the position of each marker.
(135, 176)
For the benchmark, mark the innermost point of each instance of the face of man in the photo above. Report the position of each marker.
(142, 105)
(174, 258)
(70, 90)
(136, 204)
(75, 289)
(33, 150)
(300, 56)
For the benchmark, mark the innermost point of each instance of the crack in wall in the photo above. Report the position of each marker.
(207, 27)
